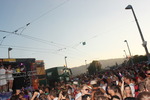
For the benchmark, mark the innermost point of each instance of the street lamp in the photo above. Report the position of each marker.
(129, 51)
(86, 63)
(125, 53)
(9, 49)
(66, 61)
(144, 42)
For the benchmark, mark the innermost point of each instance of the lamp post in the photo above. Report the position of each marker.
(129, 51)
(66, 60)
(125, 53)
(144, 42)
(86, 63)
(9, 49)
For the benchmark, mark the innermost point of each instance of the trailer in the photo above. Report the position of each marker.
(58, 74)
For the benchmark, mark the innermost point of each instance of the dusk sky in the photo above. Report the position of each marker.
(59, 27)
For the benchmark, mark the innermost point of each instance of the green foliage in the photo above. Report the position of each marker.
(136, 59)
(94, 67)
(139, 58)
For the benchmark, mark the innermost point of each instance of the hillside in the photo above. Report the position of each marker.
(105, 63)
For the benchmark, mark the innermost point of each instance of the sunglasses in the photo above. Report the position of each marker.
(148, 73)
(86, 89)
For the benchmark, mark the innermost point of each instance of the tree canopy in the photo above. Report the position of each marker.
(94, 67)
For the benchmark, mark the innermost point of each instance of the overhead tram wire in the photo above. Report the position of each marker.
(61, 4)
(24, 27)
(26, 50)
(31, 48)
(33, 38)
(37, 39)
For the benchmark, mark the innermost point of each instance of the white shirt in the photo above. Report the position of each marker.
(78, 95)
(56, 98)
(132, 89)
(2, 73)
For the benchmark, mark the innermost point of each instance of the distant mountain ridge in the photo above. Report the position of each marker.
(105, 63)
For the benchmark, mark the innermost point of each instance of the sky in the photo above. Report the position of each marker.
(58, 28)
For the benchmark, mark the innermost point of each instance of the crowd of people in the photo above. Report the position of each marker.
(122, 83)
(6, 78)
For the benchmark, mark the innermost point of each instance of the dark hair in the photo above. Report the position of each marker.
(101, 98)
(128, 77)
(142, 75)
(130, 98)
(84, 97)
(25, 92)
(14, 97)
(143, 95)
(115, 97)
(115, 88)
(126, 86)
(53, 93)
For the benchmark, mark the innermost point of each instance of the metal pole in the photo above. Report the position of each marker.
(129, 51)
(66, 61)
(8, 54)
(144, 42)
(9, 49)
(85, 63)
(125, 53)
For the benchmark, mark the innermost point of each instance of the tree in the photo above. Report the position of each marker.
(94, 67)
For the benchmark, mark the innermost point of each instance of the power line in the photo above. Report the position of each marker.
(50, 11)
(25, 47)
(33, 38)
(24, 27)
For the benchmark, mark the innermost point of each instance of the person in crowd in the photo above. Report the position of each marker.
(114, 90)
(103, 83)
(26, 95)
(10, 78)
(36, 94)
(21, 96)
(14, 97)
(147, 84)
(3, 79)
(147, 71)
(47, 90)
(78, 94)
(84, 91)
(101, 98)
(143, 96)
(130, 98)
(127, 80)
(141, 78)
(86, 97)
(53, 95)
(115, 98)
(42, 96)
(63, 95)
(97, 94)
(125, 90)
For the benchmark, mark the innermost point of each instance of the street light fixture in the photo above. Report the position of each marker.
(66, 60)
(144, 42)
(129, 51)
